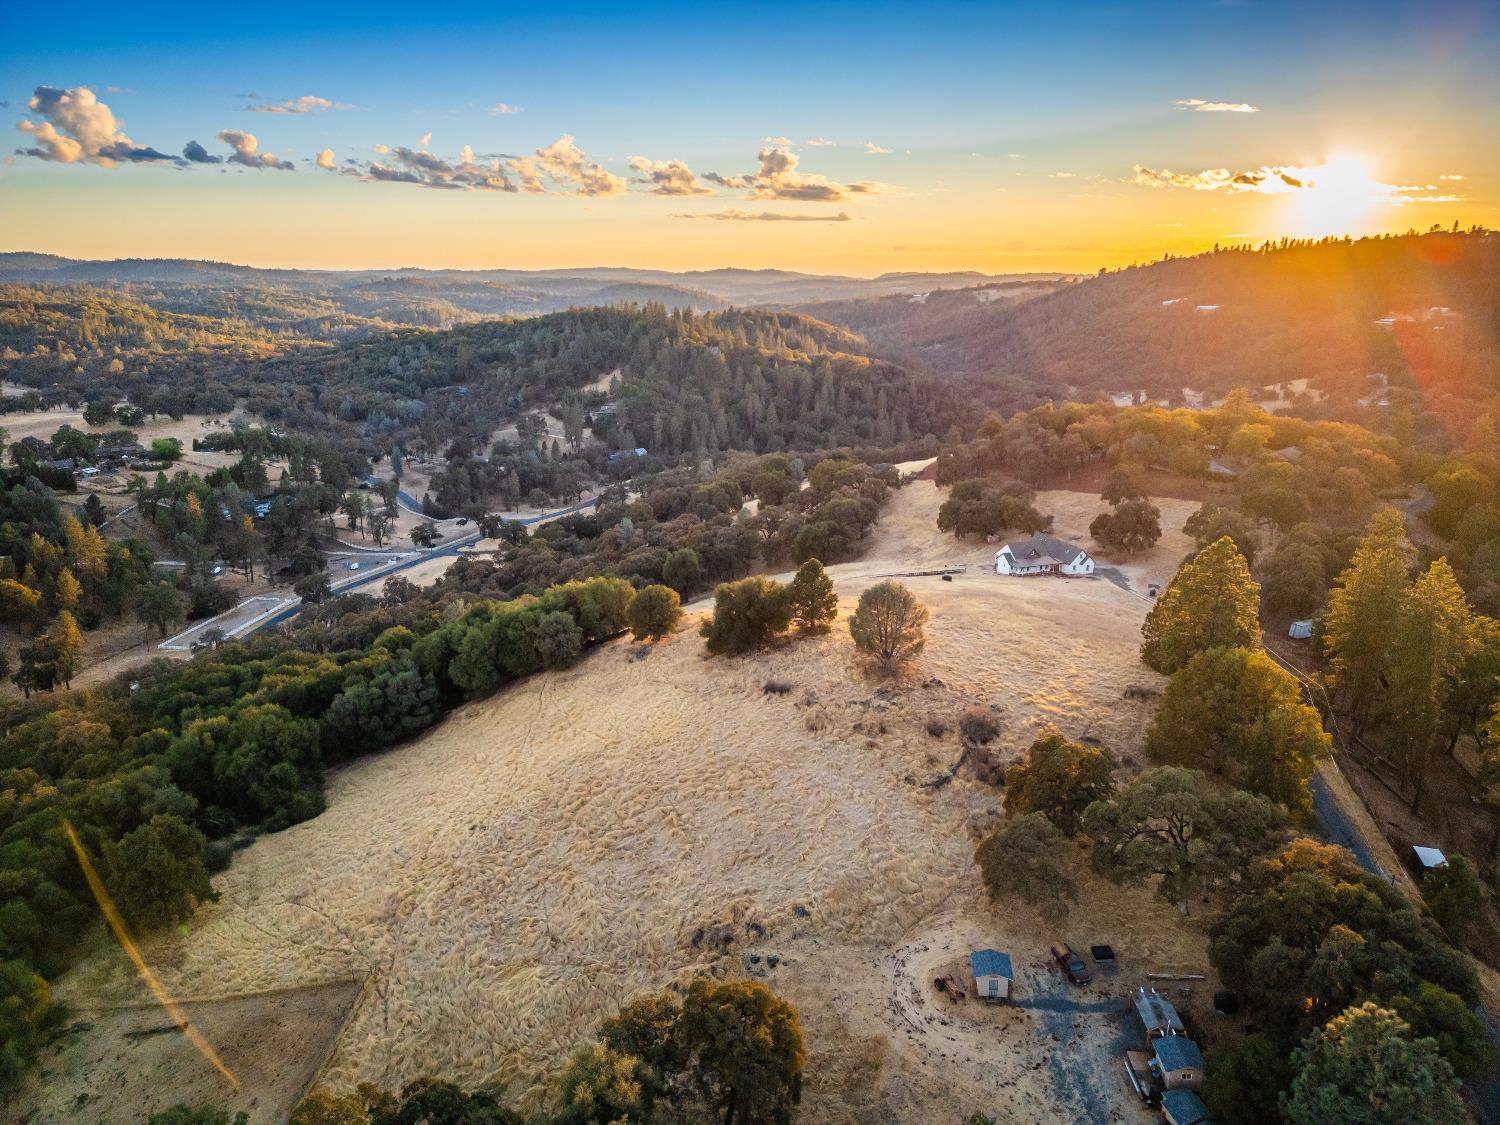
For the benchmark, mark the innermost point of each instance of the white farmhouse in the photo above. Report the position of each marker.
(1042, 554)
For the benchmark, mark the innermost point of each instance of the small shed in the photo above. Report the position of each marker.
(1428, 858)
(1300, 630)
(992, 974)
(1158, 1016)
(1178, 1063)
(1183, 1107)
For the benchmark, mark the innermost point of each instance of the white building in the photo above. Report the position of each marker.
(1043, 554)
(992, 974)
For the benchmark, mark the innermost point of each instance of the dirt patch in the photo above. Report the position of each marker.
(125, 1063)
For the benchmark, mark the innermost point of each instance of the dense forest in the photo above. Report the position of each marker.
(1424, 310)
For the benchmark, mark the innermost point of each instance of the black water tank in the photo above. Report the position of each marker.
(1226, 1002)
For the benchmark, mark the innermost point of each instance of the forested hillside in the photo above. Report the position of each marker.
(1423, 310)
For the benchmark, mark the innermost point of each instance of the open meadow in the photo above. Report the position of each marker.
(503, 883)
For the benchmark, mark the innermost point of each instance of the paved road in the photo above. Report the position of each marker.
(408, 501)
(1339, 828)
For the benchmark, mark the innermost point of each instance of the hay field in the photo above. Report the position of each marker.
(506, 881)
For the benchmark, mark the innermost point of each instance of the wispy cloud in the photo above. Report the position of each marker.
(1265, 180)
(307, 103)
(732, 215)
(873, 149)
(782, 142)
(778, 178)
(667, 177)
(820, 142)
(75, 127)
(502, 109)
(1451, 176)
(426, 139)
(1201, 106)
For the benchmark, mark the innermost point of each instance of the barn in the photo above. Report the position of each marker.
(992, 974)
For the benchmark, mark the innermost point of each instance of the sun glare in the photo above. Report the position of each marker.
(1340, 197)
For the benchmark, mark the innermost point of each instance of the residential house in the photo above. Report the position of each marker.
(1042, 554)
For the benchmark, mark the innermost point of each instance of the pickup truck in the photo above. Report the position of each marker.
(1071, 963)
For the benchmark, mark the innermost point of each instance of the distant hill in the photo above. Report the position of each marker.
(1420, 309)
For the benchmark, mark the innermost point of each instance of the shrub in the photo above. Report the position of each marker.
(654, 613)
(889, 625)
(777, 687)
(979, 726)
(747, 614)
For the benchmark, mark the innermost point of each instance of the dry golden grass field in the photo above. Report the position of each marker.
(506, 881)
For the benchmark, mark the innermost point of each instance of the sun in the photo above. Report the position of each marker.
(1340, 197)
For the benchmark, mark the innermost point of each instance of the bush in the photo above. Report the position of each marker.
(777, 687)
(936, 727)
(654, 613)
(747, 614)
(889, 625)
(978, 725)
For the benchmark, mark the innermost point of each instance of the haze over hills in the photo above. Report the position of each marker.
(1416, 308)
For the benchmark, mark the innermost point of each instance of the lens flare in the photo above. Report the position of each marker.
(163, 997)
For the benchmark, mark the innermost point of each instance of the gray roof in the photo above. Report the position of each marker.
(1183, 1107)
(1177, 1053)
(1157, 1013)
(991, 963)
(1039, 547)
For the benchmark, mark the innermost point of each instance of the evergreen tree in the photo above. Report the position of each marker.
(814, 604)
(1212, 602)
(1363, 607)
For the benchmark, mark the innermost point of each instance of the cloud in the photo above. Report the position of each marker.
(668, 177)
(565, 163)
(76, 127)
(731, 215)
(1450, 176)
(247, 152)
(194, 153)
(820, 142)
(426, 139)
(873, 149)
(325, 159)
(527, 172)
(307, 103)
(381, 150)
(778, 178)
(501, 109)
(421, 168)
(1063, 175)
(1266, 180)
(1198, 105)
(780, 142)
(1016, 155)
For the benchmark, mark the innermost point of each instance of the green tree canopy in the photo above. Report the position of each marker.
(889, 625)
(1212, 602)
(1059, 778)
(814, 604)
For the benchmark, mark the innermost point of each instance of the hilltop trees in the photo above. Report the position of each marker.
(980, 507)
(1212, 602)
(1234, 712)
(1366, 1068)
(889, 625)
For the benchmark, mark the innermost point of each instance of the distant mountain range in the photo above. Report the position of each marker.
(481, 293)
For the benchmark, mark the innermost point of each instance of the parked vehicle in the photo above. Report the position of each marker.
(1071, 964)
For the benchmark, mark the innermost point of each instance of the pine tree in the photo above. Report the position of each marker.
(1431, 638)
(1366, 601)
(1212, 602)
(814, 604)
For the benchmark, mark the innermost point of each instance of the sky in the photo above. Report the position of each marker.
(832, 138)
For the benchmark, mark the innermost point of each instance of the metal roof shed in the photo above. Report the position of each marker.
(992, 973)
(1183, 1107)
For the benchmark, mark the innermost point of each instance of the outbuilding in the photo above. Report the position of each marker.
(992, 974)
(1429, 858)
(1178, 1063)
(1183, 1107)
(1158, 1016)
(1300, 630)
